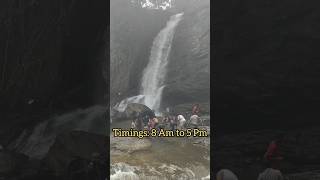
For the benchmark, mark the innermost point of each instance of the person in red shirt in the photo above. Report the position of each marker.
(273, 154)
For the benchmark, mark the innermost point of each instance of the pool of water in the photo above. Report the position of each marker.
(174, 158)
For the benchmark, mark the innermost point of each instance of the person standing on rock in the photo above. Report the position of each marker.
(273, 155)
(273, 158)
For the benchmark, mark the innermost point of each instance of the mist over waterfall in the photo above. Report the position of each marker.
(152, 83)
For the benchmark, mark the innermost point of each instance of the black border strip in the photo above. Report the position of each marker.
(107, 55)
(212, 74)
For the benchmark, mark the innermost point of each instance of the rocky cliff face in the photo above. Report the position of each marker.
(188, 78)
(49, 51)
(132, 33)
(51, 59)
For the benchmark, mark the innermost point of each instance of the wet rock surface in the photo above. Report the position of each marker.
(195, 140)
(127, 145)
(186, 108)
(131, 111)
(202, 141)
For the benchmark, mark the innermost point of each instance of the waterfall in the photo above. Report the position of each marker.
(155, 73)
(152, 83)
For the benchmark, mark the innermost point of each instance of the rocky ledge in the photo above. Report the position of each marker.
(74, 155)
(128, 145)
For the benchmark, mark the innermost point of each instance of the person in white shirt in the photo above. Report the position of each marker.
(270, 174)
(226, 174)
(181, 122)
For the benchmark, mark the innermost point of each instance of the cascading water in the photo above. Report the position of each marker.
(155, 73)
(152, 83)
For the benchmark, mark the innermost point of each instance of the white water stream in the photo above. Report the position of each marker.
(154, 75)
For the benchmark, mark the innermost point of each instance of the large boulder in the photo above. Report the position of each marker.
(131, 111)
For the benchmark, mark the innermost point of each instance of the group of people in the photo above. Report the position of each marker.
(150, 121)
(180, 122)
(272, 158)
(175, 122)
(145, 119)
